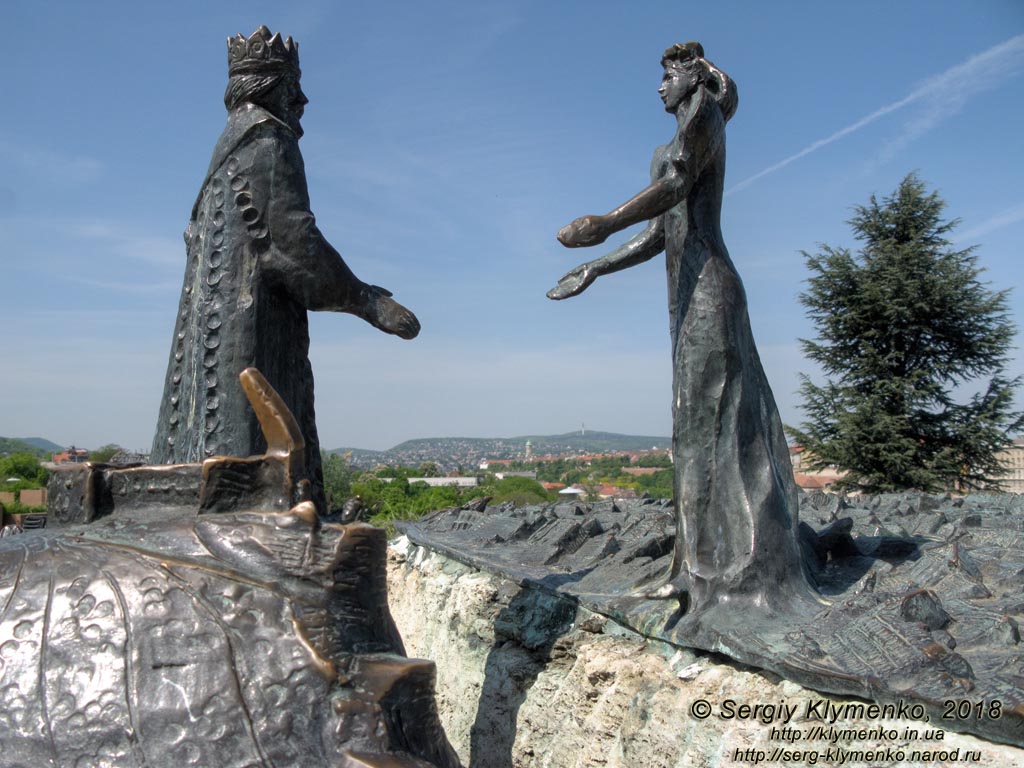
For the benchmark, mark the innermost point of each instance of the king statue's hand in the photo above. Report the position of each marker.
(381, 311)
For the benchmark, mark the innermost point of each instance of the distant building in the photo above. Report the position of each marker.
(822, 480)
(607, 491)
(532, 475)
(29, 497)
(32, 497)
(1013, 459)
(570, 493)
(440, 482)
(487, 463)
(812, 479)
(813, 482)
(437, 482)
(635, 456)
(71, 456)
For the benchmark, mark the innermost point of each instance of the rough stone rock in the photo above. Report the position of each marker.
(866, 555)
(526, 678)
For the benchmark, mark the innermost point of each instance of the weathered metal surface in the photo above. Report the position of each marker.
(276, 480)
(251, 638)
(81, 493)
(889, 568)
(235, 629)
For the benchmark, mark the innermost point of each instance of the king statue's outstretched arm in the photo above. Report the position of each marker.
(305, 264)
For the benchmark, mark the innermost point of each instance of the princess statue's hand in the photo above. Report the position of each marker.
(574, 282)
(584, 231)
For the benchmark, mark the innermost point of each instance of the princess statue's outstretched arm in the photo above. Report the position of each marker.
(643, 247)
(674, 173)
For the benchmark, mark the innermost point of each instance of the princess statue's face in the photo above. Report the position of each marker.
(678, 83)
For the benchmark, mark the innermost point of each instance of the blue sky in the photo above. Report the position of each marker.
(446, 143)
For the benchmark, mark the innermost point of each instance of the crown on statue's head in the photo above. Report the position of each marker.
(262, 54)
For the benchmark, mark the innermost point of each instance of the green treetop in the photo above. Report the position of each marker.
(901, 326)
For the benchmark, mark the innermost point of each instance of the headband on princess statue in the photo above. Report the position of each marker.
(262, 54)
(682, 54)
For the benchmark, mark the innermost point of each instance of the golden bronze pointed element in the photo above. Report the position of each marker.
(277, 422)
(276, 480)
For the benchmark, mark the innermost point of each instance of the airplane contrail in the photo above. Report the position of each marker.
(998, 221)
(980, 72)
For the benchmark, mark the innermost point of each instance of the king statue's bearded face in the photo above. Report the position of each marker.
(287, 102)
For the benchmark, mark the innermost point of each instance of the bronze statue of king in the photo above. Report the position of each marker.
(256, 263)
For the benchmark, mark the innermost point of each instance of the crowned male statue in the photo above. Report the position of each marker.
(256, 263)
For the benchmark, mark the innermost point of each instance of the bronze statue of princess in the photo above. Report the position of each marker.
(735, 499)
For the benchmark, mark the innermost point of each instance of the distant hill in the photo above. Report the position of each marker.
(590, 441)
(42, 444)
(34, 445)
(362, 457)
(452, 452)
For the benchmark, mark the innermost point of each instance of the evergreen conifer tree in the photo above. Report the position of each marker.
(901, 326)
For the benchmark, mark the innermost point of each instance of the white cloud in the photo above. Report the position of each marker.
(124, 241)
(164, 288)
(50, 164)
